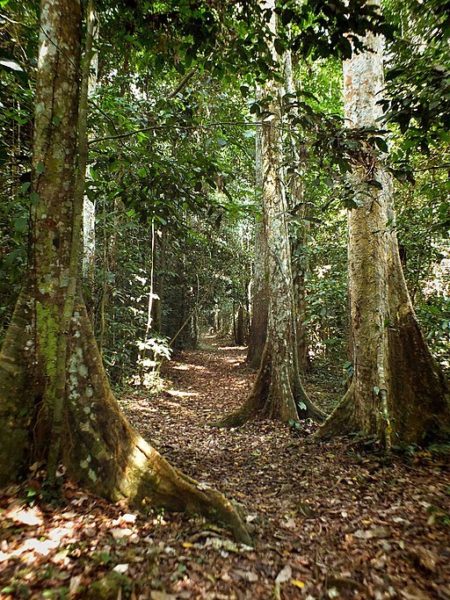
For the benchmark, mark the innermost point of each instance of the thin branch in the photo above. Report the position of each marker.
(105, 114)
(186, 127)
(433, 167)
(184, 81)
(2, 16)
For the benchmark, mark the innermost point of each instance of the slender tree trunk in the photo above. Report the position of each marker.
(160, 279)
(144, 352)
(90, 72)
(398, 394)
(278, 392)
(299, 236)
(258, 326)
(53, 386)
(239, 338)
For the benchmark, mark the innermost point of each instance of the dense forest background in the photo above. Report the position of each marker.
(224, 265)
(171, 177)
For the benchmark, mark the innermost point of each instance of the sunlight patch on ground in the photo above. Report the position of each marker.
(25, 516)
(225, 348)
(188, 367)
(181, 394)
(233, 361)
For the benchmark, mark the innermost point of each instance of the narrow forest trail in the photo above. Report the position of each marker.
(329, 520)
(335, 521)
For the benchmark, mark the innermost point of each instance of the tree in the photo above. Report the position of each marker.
(398, 394)
(52, 381)
(300, 233)
(259, 299)
(90, 75)
(278, 392)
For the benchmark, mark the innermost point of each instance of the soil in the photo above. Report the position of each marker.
(329, 520)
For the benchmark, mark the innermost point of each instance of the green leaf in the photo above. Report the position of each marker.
(381, 144)
(25, 186)
(244, 90)
(10, 64)
(40, 168)
(374, 183)
(21, 224)
(14, 257)
(279, 46)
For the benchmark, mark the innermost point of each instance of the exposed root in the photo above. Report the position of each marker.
(157, 483)
(16, 399)
(265, 402)
(101, 450)
(341, 421)
(305, 407)
(237, 418)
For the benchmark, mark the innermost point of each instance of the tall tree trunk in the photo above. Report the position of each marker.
(52, 382)
(278, 392)
(398, 394)
(258, 326)
(90, 72)
(160, 280)
(299, 235)
(239, 338)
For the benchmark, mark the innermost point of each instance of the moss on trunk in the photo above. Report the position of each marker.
(16, 404)
(101, 451)
(278, 392)
(55, 400)
(398, 394)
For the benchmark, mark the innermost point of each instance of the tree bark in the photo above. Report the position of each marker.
(239, 338)
(258, 326)
(299, 235)
(53, 386)
(89, 75)
(278, 392)
(398, 394)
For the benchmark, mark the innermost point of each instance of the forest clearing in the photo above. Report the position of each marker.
(224, 299)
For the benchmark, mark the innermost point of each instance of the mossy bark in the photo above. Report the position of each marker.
(55, 401)
(240, 333)
(17, 402)
(299, 226)
(398, 394)
(260, 297)
(278, 392)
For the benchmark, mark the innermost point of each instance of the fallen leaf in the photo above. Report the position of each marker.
(424, 558)
(156, 595)
(30, 516)
(119, 533)
(246, 575)
(284, 575)
(74, 585)
(122, 568)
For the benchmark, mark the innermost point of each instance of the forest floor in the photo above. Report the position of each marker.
(329, 520)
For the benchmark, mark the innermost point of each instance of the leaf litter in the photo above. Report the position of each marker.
(329, 520)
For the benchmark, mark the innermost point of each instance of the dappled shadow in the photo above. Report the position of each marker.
(339, 517)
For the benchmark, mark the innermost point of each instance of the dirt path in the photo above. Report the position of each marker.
(341, 523)
(328, 520)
